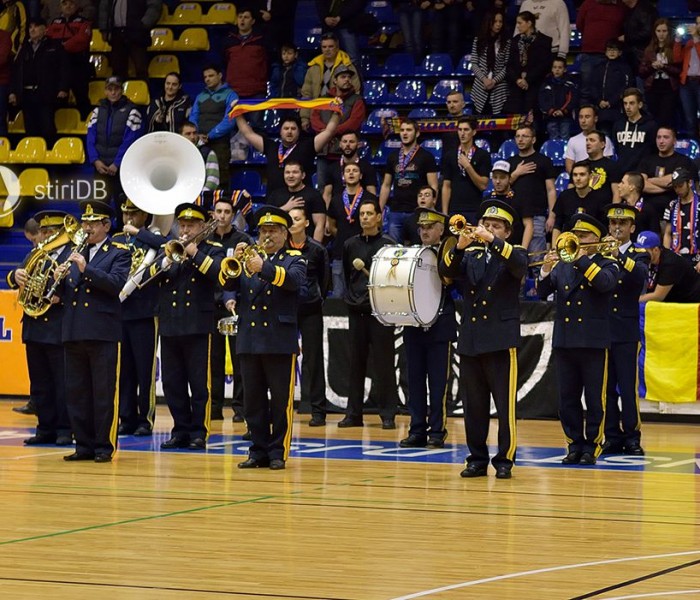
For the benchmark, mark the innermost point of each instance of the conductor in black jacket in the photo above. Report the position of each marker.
(489, 270)
(583, 290)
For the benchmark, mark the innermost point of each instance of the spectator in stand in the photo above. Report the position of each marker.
(447, 27)
(598, 21)
(630, 188)
(349, 144)
(552, 20)
(51, 9)
(127, 27)
(490, 51)
(113, 126)
(456, 109)
(13, 19)
(353, 115)
(39, 81)
(576, 148)
(189, 130)
(410, 14)
(522, 225)
(661, 69)
(319, 76)
(671, 278)
(690, 79)
(465, 173)
(606, 85)
(5, 73)
(74, 32)
(658, 169)
(172, 109)
(210, 116)
(682, 231)
(287, 76)
(341, 18)
(605, 173)
(529, 61)
(558, 101)
(426, 198)
(291, 146)
(635, 133)
(637, 30)
(407, 169)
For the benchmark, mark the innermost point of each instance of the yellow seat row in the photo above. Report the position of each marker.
(159, 67)
(67, 120)
(135, 90)
(66, 150)
(191, 13)
(192, 39)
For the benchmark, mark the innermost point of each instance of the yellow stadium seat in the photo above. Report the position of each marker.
(66, 150)
(187, 14)
(193, 39)
(4, 150)
(33, 180)
(101, 64)
(136, 90)
(96, 91)
(29, 150)
(164, 15)
(221, 13)
(162, 40)
(163, 64)
(68, 121)
(98, 43)
(17, 126)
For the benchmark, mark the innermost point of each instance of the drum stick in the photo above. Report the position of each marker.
(359, 265)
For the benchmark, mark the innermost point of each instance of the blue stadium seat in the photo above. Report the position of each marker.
(250, 181)
(464, 68)
(422, 113)
(561, 182)
(507, 149)
(383, 11)
(399, 65)
(575, 38)
(370, 66)
(364, 151)
(387, 147)
(444, 87)
(271, 121)
(673, 9)
(434, 146)
(483, 144)
(554, 150)
(309, 39)
(375, 91)
(436, 65)
(256, 158)
(409, 91)
(373, 122)
(689, 148)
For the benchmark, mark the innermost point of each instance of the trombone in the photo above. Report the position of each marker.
(568, 245)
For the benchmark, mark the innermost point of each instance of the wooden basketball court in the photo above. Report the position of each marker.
(351, 518)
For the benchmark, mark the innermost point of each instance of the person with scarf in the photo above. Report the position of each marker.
(170, 111)
(681, 217)
(490, 51)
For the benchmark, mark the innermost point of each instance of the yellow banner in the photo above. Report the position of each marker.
(15, 379)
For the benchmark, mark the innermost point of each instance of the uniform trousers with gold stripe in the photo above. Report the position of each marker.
(137, 382)
(481, 376)
(582, 371)
(276, 373)
(92, 395)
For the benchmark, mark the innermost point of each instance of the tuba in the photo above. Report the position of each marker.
(35, 296)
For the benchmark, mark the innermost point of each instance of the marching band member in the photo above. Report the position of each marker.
(186, 317)
(91, 333)
(625, 338)
(267, 342)
(41, 336)
(365, 331)
(137, 385)
(581, 339)
(428, 353)
(489, 270)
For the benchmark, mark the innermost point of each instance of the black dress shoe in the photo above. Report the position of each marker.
(255, 463)
(40, 438)
(350, 422)
(103, 458)
(630, 450)
(474, 471)
(572, 458)
(79, 456)
(217, 414)
(174, 442)
(276, 464)
(64, 440)
(503, 473)
(413, 441)
(610, 448)
(27, 409)
(388, 424)
(237, 418)
(435, 443)
(247, 436)
(142, 431)
(587, 459)
(197, 444)
(124, 430)
(317, 422)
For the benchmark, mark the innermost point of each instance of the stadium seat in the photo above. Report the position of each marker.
(271, 121)
(689, 148)
(400, 64)
(163, 64)
(101, 64)
(136, 90)
(68, 122)
(29, 150)
(370, 67)
(387, 147)
(483, 144)
(250, 181)
(309, 39)
(96, 91)
(375, 91)
(436, 65)
(409, 91)
(255, 157)
(434, 146)
(364, 151)
(66, 150)
(221, 13)
(507, 149)
(383, 11)
(98, 43)
(373, 122)
(554, 150)
(193, 39)
(4, 150)
(162, 40)
(575, 37)
(30, 180)
(464, 67)
(189, 13)
(444, 87)
(17, 126)
(673, 9)
(561, 182)
(422, 113)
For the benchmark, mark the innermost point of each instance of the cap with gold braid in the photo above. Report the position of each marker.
(620, 211)
(497, 209)
(272, 215)
(428, 216)
(190, 211)
(129, 206)
(50, 218)
(584, 222)
(94, 210)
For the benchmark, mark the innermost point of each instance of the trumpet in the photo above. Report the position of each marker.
(232, 267)
(458, 226)
(568, 245)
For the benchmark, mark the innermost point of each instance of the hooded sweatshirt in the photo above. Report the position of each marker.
(633, 141)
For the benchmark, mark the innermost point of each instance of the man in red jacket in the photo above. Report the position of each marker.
(246, 58)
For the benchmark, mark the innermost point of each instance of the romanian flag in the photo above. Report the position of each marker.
(669, 370)
(334, 104)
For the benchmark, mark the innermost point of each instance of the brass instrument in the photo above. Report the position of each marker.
(232, 267)
(80, 240)
(458, 226)
(567, 247)
(40, 268)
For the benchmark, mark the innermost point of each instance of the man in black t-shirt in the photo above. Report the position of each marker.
(296, 194)
(630, 189)
(671, 277)
(522, 226)
(605, 174)
(349, 144)
(465, 173)
(657, 169)
(579, 199)
(407, 169)
(682, 232)
(290, 147)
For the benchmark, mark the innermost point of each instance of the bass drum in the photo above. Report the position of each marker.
(404, 286)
